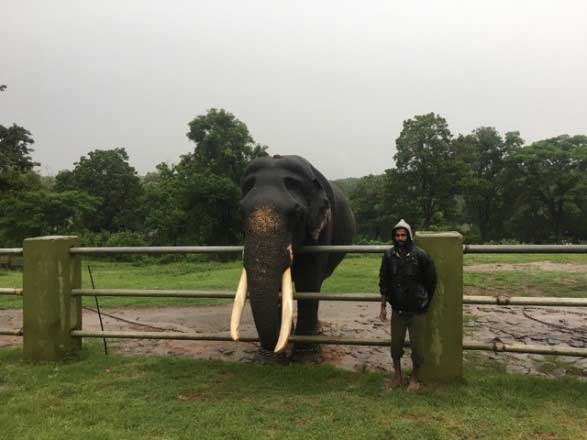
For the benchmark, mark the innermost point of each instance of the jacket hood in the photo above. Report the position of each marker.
(403, 224)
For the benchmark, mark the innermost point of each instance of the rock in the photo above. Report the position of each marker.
(559, 372)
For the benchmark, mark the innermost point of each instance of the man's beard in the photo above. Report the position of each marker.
(403, 246)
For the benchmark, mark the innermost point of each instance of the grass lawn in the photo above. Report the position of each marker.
(130, 397)
(355, 274)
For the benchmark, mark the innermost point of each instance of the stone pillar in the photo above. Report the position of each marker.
(444, 335)
(49, 310)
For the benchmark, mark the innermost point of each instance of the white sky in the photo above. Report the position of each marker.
(329, 80)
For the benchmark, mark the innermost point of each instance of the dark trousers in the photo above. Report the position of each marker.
(415, 325)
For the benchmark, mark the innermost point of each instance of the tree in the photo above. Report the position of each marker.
(210, 202)
(166, 221)
(546, 176)
(223, 145)
(426, 167)
(35, 213)
(106, 174)
(15, 159)
(367, 202)
(481, 156)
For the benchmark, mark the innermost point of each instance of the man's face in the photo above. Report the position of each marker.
(401, 235)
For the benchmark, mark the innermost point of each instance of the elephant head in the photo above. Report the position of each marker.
(285, 203)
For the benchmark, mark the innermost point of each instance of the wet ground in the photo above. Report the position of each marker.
(563, 327)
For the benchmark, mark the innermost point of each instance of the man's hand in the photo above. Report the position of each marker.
(383, 312)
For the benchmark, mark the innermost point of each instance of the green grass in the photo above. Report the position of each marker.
(527, 283)
(115, 397)
(355, 274)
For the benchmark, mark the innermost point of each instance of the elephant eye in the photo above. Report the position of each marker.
(294, 185)
(248, 185)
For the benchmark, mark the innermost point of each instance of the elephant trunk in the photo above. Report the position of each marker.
(267, 262)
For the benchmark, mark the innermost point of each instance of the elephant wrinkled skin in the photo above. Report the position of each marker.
(287, 203)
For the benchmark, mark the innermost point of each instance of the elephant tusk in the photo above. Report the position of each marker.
(286, 310)
(238, 306)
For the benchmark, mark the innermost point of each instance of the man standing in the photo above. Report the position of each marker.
(407, 280)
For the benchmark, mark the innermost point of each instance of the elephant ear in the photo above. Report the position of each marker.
(320, 212)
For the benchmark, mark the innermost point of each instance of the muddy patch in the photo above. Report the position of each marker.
(563, 327)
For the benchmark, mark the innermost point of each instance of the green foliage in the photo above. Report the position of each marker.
(15, 159)
(196, 201)
(368, 204)
(107, 175)
(426, 177)
(481, 161)
(223, 145)
(347, 185)
(36, 213)
(545, 180)
(184, 206)
(166, 221)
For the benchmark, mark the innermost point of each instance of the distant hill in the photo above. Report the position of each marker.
(347, 185)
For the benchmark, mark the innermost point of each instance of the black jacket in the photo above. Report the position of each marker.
(407, 281)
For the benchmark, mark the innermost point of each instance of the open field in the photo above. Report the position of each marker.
(173, 395)
(130, 397)
(484, 275)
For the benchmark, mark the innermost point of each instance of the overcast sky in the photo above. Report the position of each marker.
(329, 80)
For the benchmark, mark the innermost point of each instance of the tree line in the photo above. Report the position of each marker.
(106, 202)
(488, 186)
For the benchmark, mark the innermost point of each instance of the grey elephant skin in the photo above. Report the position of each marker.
(286, 201)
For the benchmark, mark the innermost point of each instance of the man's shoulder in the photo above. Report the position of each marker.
(416, 250)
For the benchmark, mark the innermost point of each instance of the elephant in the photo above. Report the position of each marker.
(287, 203)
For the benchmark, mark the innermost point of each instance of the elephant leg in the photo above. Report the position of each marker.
(307, 321)
(308, 276)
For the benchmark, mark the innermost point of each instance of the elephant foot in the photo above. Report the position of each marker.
(269, 357)
(307, 353)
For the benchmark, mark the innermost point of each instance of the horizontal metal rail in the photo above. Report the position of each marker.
(216, 294)
(10, 291)
(155, 250)
(11, 251)
(521, 348)
(216, 337)
(10, 332)
(217, 249)
(488, 300)
(361, 249)
(330, 340)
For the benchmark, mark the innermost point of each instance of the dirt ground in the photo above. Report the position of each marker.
(545, 266)
(520, 325)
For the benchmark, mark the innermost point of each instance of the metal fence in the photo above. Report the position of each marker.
(467, 249)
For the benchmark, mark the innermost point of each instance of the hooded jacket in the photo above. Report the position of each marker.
(407, 277)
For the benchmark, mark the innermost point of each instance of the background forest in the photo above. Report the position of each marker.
(489, 186)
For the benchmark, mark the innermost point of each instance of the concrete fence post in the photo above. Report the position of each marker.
(444, 336)
(49, 310)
